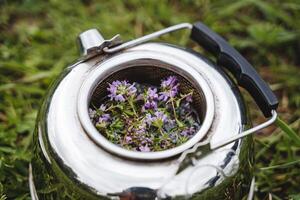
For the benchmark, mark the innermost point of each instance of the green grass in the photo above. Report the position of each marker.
(37, 40)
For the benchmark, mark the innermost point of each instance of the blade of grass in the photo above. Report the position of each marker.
(290, 132)
(281, 165)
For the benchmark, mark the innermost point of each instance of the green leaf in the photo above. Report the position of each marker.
(129, 112)
(180, 124)
(295, 197)
(158, 123)
(7, 149)
(3, 197)
(270, 34)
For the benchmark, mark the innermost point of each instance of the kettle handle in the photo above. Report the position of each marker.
(243, 71)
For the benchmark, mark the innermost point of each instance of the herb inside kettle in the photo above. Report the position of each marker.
(146, 118)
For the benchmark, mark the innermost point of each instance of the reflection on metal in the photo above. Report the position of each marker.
(218, 170)
(42, 145)
(33, 193)
(252, 189)
(194, 160)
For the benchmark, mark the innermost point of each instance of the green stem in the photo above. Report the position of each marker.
(172, 102)
(161, 132)
(173, 106)
(133, 109)
(176, 119)
(184, 96)
(111, 107)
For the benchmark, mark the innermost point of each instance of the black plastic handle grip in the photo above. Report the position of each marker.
(245, 74)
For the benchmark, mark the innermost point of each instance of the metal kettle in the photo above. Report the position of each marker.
(73, 161)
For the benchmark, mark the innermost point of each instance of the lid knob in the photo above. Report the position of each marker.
(92, 43)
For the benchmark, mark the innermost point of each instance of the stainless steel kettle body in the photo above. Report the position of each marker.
(71, 161)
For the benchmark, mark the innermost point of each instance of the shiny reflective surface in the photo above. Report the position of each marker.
(69, 164)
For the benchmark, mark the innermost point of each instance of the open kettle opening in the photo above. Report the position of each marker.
(72, 160)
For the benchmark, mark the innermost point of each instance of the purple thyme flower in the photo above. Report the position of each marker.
(147, 140)
(149, 105)
(169, 88)
(148, 119)
(144, 148)
(164, 96)
(163, 143)
(169, 125)
(170, 82)
(185, 109)
(113, 87)
(140, 97)
(188, 132)
(119, 97)
(159, 116)
(152, 94)
(104, 118)
(128, 139)
(189, 98)
(141, 128)
(103, 121)
(184, 133)
(159, 119)
(151, 97)
(131, 90)
(119, 90)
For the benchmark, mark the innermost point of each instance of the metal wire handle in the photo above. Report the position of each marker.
(247, 132)
(148, 37)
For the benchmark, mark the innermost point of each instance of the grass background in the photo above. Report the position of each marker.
(37, 40)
